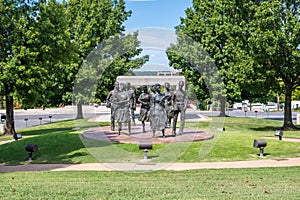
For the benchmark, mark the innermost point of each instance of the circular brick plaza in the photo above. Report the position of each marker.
(136, 136)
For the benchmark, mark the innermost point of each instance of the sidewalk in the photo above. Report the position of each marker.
(147, 166)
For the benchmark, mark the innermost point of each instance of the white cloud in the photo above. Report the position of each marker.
(154, 42)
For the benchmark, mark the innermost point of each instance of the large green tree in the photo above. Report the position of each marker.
(274, 44)
(98, 72)
(18, 72)
(215, 25)
(56, 51)
(254, 44)
(34, 45)
(92, 22)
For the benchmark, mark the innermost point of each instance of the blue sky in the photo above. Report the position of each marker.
(156, 13)
(155, 20)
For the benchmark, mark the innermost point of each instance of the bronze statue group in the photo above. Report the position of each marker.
(160, 109)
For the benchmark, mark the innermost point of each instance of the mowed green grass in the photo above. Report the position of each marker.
(61, 142)
(58, 142)
(260, 183)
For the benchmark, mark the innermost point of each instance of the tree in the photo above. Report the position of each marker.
(128, 49)
(56, 51)
(20, 76)
(32, 48)
(216, 25)
(198, 68)
(90, 23)
(111, 58)
(255, 45)
(274, 45)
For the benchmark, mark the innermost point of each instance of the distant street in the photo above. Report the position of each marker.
(260, 114)
(34, 117)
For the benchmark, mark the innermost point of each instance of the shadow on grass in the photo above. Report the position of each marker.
(266, 128)
(57, 147)
(45, 131)
(70, 156)
(58, 142)
(56, 127)
(265, 154)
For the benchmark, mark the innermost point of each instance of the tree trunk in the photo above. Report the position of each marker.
(79, 111)
(10, 123)
(223, 107)
(288, 120)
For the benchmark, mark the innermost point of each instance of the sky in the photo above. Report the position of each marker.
(155, 13)
(155, 20)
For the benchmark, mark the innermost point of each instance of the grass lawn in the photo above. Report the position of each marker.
(261, 183)
(60, 142)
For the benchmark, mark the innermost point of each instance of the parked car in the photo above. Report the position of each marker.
(271, 106)
(256, 107)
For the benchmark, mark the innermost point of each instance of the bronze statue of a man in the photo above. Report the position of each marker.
(168, 94)
(179, 103)
(122, 110)
(132, 102)
(111, 101)
(144, 99)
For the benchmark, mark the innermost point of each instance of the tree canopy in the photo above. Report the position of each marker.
(274, 44)
(254, 44)
(112, 57)
(43, 44)
(27, 56)
(91, 23)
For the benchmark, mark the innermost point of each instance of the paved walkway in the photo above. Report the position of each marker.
(144, 165)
